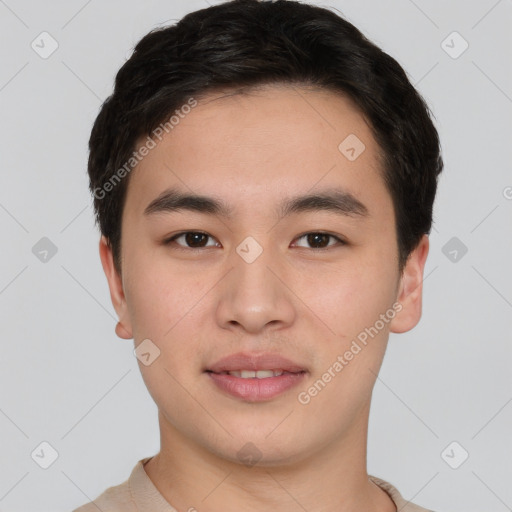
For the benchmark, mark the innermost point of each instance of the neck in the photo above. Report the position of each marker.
(332, 479)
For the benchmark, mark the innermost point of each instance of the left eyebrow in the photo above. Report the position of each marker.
(334, 200)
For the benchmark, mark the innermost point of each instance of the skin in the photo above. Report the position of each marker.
(308, 304)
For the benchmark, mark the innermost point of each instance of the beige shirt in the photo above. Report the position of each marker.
(138, 494)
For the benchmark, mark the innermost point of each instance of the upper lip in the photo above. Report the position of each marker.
(255, 362)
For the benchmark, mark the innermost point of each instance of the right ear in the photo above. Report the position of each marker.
(115, 284)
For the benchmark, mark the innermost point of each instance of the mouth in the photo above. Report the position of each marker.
(256, 374)
(255, 377)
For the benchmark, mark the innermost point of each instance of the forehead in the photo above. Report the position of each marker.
(265, 141)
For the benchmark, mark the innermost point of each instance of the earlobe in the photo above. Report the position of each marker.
(122, 332)
(123, 328)
(411, 289)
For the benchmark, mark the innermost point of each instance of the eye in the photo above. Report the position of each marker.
(320, 240)
(197, 240)
(192, 239)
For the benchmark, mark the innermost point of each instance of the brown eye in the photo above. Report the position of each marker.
(192, 240)
(320, 240)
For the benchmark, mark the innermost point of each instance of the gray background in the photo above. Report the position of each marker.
(66, 379)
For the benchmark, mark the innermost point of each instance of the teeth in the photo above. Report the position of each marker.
(260, 374)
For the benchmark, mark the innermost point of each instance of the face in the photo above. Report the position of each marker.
(290, 252)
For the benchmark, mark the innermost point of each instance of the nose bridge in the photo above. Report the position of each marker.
(251, 265)
(253, 296)
(253, 279)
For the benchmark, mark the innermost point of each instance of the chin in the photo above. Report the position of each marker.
(259, 451)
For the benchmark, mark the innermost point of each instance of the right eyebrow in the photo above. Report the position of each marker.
(172, 200)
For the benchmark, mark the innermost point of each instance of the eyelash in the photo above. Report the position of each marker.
(169, 241)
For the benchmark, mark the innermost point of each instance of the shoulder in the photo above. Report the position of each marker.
(401, 503)
(135, 494)
(116, 498)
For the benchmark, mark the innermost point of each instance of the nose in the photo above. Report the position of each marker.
(254, 296)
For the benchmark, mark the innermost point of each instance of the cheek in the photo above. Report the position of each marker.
(164, 306)
(352, 307)
(348, 300)
(159, 298)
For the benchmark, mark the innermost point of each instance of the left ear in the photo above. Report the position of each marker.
(411, 289)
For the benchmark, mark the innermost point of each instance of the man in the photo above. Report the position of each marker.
(263, 178)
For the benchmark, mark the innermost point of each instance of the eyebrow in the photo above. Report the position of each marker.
(333, 200)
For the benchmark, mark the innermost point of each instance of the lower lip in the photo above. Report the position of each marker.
(256, 390)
